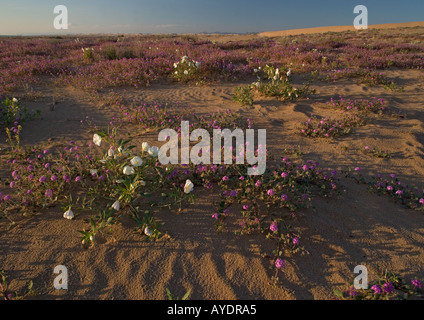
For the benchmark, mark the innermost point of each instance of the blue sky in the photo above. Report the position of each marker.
(195, 16)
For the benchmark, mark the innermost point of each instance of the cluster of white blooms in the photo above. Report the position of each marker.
(186, 64)
(128, 170)
(87, 49)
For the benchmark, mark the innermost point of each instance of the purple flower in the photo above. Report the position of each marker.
(258, 183)
(46, 151)
(77, 179)
(273, 227)
(270, 192)
(67, 178)
(49, 193)
(215, 216)
(296, 241)
(42, 179)
(30, 168)
(377, 289)
(233, 193)
(245, 207)
(388, 287)
(305, 167)
(390, 188)
(422, 201)
(284, 197)
(12, 184)
(358, 169)
(14, 173)
(225, 178)
(31, 177)
(284, 175)
(53, 178)
(393, 176)
(29, 191)
(7, 197)
(399, 192)
(280, 263)
(241, 178)
(416, 283)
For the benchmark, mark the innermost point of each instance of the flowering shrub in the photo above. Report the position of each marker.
(11, 111)
(388, 286)
(330, 128)
(187, 70)
(274, 83)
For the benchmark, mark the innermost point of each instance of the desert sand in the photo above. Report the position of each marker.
(356, 228)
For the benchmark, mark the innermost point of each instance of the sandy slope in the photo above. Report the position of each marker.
(338, 29)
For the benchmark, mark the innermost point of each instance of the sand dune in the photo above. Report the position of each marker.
(338, 29)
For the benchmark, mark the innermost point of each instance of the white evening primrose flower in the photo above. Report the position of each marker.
(148, 232)
(145, 147)
(189, 186)
(116, 206)
(15, 100)
(184, 59)
(154, 151)
(111, 152)
(128, 170)
(289, 73)
(175, 65)
(277, 72)
(97, 140)
(197, 64)
(185, 72)
(275, 78)
(136, 161)
(68, 215)
(255, 70)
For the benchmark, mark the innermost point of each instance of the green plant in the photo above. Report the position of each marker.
(6, 295)
(244, 95)
(173, 297)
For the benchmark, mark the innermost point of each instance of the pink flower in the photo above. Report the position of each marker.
(270, 192)
(215, 216)
(280, 263)
(273, 227)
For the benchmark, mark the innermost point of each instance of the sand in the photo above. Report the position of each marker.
(294, 32)
(341, 233)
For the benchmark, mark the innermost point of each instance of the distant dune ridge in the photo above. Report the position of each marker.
(338, 29)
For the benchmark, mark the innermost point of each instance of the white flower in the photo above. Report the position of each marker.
(277, 72)
(255, 70)
(184, 59)
(154, 151)
(111, 152)
(185, 72)
(289, 72)
(93, 171)
(197, 64)
(15, 100)
(145, 147)
(175, 65)
(68, 215)
(189, 186)
(128, 170)
(275, 78)
(116, 206)
(136, 161)
(176, 72)
(97, 140)
(148, 232)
